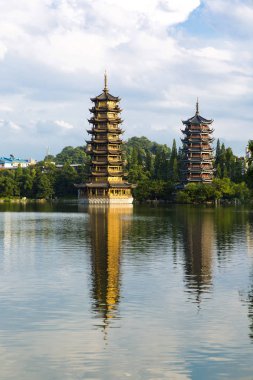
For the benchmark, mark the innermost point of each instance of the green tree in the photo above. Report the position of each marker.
(173, 163)
(43, 186)
(65, 179)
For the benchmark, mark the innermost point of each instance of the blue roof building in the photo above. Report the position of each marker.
(13, 162)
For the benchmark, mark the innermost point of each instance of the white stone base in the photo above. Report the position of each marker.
(106, 200)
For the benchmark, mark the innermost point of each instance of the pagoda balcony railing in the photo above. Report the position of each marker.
(199, 126)
(99, 151)
(114, 151)
(113, 141)
(100, 141)
(99, 174)
(105, 130)
(116, 162)
(199, 149)
(96, 162)
(199, 130)
(115, 130)
(199, 166)
(200, 146)
(189, 141)
(104, 140)
(203, 155)
(92, 142)
(107, 108)
(199, 161)
(104, 151)
(198, 179)
(115, 173)
(201, 175)
(198, 170)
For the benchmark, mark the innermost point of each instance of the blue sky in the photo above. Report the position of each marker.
(160, 56)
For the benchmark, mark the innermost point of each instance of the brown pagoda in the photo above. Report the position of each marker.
(197, 150)
(106, 183)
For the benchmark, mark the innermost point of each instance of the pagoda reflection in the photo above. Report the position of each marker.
(249, 237)
(198, 241)
(108, 225)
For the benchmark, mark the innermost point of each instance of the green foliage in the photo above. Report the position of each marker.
(69, 155)
(250, 147)
(155, 168)
(65, 180)
(154, 190)
(8, 185)
(145, 159)
(227, 165)
(218, 189)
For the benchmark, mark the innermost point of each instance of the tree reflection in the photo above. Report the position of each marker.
(108, 225)
(228, 220)
(250, 312)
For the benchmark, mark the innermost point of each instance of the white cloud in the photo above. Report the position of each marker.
(5, 108)
(63, 124)
(7, 125)
(82, 34)
(3, 50)
(54, 54)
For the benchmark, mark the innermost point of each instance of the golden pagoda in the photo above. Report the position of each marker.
(106, 183)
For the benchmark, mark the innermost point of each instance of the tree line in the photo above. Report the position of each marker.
(155, 168)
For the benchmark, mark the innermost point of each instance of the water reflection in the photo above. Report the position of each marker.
(249, 237)
(66, 274)
(108, 224)
(230, 228)
(198, 242)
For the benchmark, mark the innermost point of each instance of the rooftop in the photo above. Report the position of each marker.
(12, 159)
(105, 94)
(197, 119)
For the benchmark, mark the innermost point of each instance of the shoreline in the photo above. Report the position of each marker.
(153, 202)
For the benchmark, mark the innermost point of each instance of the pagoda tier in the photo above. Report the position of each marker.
(192, 140)
(106, 182)
(196, 131)
(197, 160)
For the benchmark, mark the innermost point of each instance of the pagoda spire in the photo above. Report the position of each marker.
(105, 82)
(197, 106)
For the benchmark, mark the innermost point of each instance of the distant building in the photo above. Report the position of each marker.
(248, 157)
(14, 163)
(197, 150)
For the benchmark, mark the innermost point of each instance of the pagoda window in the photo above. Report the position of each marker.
(100, 137)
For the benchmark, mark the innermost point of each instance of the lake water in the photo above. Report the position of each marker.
(126, 292)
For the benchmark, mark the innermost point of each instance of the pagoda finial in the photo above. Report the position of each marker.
(105, 79)
(197, 106)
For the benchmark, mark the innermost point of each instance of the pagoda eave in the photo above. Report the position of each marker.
(105, 109)
(96, 121)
